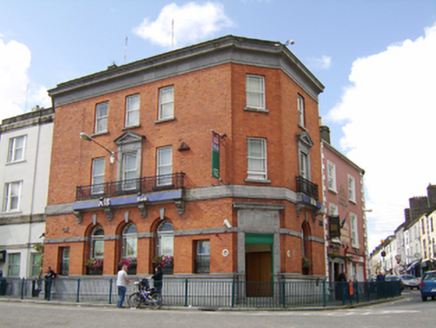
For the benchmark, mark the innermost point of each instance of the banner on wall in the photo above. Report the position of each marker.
(215, 155)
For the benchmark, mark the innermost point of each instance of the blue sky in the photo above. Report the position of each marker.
(374, 57)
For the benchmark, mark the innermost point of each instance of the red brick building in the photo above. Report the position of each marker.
(345, 203)
(216, 164)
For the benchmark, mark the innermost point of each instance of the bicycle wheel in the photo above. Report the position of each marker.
(135, 300)
(155, 301)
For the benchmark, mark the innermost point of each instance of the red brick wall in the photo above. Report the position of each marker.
(212, 98)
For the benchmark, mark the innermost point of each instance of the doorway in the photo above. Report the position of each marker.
(259, 265)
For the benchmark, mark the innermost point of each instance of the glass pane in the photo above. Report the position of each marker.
(133, 118)
(166, 245)
(130, 161)
(102, 109)
(255, 100)
(98, 249)
(102, 124)
(133, 102)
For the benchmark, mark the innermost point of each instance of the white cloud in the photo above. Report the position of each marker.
(390, 113)
(323, 62)
(192, 23)
(15, 88)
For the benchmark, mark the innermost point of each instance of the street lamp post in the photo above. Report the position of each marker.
(85, 136)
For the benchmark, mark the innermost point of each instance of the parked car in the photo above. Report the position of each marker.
(409, 281)
(428, 285)
(392, 278)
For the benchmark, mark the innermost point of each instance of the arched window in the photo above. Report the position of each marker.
(165, 239)
(97, 243)
(130, 240)
(96, 252)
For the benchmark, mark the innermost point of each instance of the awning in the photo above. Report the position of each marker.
(413, 264)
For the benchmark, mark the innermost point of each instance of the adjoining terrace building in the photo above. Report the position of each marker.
(344, 199)
(25, 147)
(216, 164)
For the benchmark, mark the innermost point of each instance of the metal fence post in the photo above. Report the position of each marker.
(78, 290)
(284, 294)
(110, 291)
(186, 292)
(324, 296)
(233, 292)
(22, 287)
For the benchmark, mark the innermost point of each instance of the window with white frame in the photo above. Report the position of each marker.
(97, 175)
(256, 159)
(36, 259)
(132, 110)
(354, 231)
(97, 243)
(166, 103)
(16, 149)
(351, 189)
(165, 239)
(300, 110)
(164, 165)
(202, 261)
(101, 117)
(12, 195)
(129, 170)
(304, 165)
(65, 261)
(331, 176)
(255, 91)
(130, 241)
(14, 264)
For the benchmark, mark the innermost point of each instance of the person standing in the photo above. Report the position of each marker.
(157, 279)
(49, 276)
(122, 280)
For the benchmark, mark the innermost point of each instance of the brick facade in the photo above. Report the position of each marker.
(209, 82)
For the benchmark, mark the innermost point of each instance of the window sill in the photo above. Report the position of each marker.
(257, 180)
(131, 127)
(165, 120)
(258, 110)
(96, 134)
(16, 162)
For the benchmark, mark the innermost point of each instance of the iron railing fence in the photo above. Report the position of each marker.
(132, 186)
(211, 293)
(307, 187)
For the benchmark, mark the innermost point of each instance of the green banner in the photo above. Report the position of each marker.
(215, 155)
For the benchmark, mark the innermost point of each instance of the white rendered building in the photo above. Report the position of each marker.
(25, 150)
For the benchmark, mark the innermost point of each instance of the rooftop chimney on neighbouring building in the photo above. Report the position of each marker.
(325, 133)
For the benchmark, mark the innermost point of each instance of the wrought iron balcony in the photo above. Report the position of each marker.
(307, 187)
(129, 187)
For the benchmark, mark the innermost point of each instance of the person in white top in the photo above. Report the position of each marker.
(122, 281)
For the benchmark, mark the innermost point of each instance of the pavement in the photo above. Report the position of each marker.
(190, 308)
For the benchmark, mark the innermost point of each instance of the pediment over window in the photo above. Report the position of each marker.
(305, 138)
(129, 137)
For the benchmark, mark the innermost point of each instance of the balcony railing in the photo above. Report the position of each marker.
(133, 186)
(307, 187)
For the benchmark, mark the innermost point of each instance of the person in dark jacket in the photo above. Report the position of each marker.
(49, 276)
(157, 278)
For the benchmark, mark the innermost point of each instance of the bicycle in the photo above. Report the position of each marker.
(145, 296)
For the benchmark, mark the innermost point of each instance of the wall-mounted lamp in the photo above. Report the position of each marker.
(227, 223)
(85, 136)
